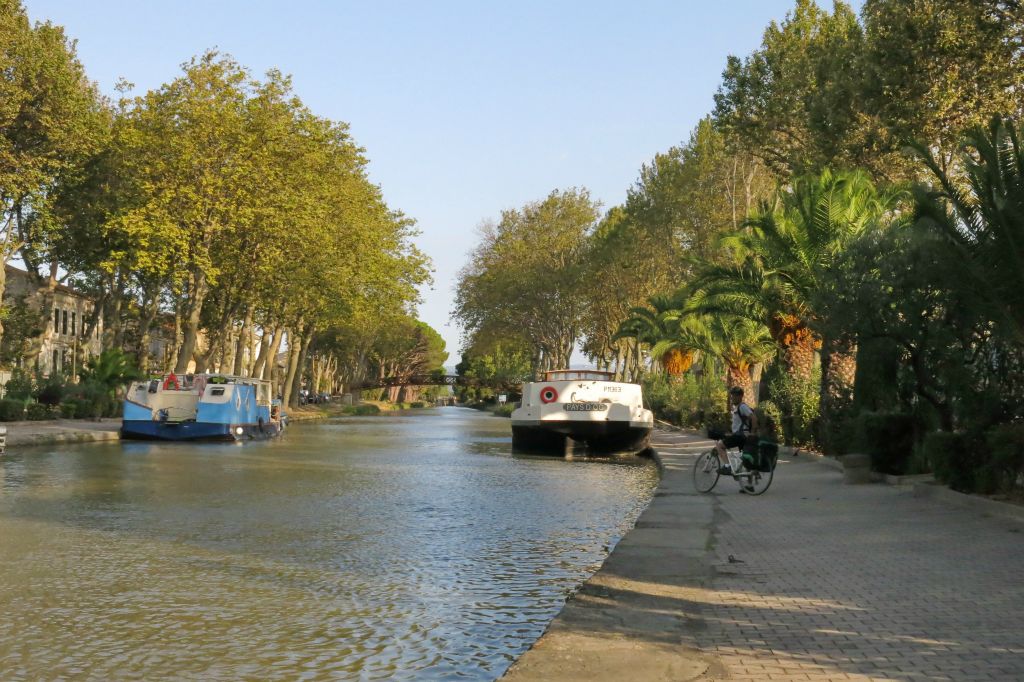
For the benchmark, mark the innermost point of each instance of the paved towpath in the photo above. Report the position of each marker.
(826, 582)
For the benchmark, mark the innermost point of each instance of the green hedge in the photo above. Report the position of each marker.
(953, 459)
(1005, 466)
(12, 410)
(359, 410)
(889, 438)
(39, 412)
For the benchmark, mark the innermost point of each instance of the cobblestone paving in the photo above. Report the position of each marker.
(840, 582)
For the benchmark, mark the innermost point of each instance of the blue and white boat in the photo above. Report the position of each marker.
(201, 407)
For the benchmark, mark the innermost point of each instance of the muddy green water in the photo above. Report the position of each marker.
(405, 547)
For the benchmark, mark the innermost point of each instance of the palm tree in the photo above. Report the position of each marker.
(983, 218)
(782, 259)
(651, 325)
(737, 342)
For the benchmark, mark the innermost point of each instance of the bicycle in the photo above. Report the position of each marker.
(753, 472)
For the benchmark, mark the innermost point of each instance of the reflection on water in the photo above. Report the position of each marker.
(408, 547)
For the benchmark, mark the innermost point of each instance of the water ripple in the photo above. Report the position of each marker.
(410, 547)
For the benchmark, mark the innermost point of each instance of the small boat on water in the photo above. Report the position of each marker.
(201, 407)
(586, 406)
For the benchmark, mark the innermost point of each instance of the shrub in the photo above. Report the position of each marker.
(12, 410)
(689, 400)
(1005, 464)
(953, 459)
(797, 399)
(51, 391)
(417, 404)
(503, 410)
(39, 412)
(88, 409)
(360, 410)
(68, 409)
(889, 438)
(20, 386)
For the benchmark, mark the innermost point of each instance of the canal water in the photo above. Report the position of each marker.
(400, 547)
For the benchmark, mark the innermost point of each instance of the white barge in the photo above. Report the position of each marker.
(584, 405)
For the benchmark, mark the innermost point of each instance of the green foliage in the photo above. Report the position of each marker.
(21, 385)
(1005, 467)
(955, 459)
(21, 324)
(982, 224)
(109, 371)
(12, 410)
(417, 404)
(932, 69)
(691, 400)
(359, 410)
(889, 438)
(797, 399)
(505, 410)
(526, 278)
(40, 412)
(793, 101)
(93, 405)
(373, 394)
(51, 391)
(69, 409)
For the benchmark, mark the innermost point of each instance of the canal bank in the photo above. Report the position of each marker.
(57, 431)
(637, 617)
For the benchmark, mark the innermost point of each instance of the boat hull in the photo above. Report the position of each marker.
(551, 437)
(195, 431)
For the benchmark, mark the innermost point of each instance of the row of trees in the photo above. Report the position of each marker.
(839, 236)
(216, 209)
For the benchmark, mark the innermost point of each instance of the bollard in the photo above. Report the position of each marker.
(856, 468)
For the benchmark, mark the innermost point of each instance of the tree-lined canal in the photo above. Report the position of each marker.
(411, 546)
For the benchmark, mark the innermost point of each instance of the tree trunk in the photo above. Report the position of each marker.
(194, 309)
(243, 342)
(291, 388)
(300, 365)
(150, 311)
(739, 375)
(261, 359)
(274, 349)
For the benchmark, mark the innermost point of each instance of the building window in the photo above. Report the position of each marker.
(56, 321)
(65, 322)
(56, 362)
(72, 323)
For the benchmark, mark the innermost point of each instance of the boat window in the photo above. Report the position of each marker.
(217, 391)
(577, 375)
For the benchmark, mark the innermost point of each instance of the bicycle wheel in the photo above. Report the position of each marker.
(759, 481)
(705, 471)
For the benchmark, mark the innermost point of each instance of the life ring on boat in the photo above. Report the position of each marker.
(548, 394)
(170, 381)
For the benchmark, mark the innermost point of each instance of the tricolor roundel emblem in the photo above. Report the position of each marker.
(548, 394)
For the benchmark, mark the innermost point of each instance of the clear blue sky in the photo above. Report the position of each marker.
(464, 108)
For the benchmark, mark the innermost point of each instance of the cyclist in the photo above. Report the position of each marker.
(744, 422)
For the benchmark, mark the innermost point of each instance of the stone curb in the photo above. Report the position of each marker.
(33, 439)
(614, 627)
(940, 493)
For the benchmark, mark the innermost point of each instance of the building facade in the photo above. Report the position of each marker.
(64, 348)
